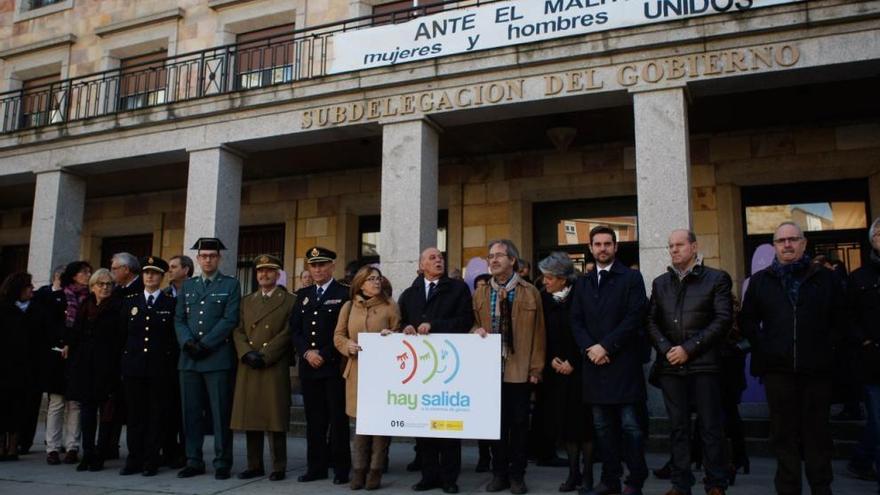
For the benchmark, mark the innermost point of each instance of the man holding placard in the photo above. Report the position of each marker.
(436, 303)
(511, 307)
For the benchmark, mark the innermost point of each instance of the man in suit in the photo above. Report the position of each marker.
(180, 268)
(262, 384)
(607, 315)
(126, 270)
(436, 303)
(207, 312)
(149, 361)
(312, 325)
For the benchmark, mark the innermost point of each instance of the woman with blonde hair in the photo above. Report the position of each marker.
(369, 310)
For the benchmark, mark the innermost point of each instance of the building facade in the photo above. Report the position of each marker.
(145, 125)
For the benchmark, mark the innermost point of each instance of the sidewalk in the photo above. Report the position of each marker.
(32, 476)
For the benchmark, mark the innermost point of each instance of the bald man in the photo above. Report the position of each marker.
(436, 303)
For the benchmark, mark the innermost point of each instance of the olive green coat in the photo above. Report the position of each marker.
(262, 396)
(359, 315)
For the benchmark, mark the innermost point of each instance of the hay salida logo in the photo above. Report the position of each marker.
(434, 365)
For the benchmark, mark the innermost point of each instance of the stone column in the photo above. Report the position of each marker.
(409, 198)
(56, 228)
(213, 201)
(662, 174)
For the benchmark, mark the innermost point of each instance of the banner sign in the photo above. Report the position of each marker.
(511, 23)
(440, 385)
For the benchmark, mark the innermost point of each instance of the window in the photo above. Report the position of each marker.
(252, 242)
(43, 101)
(812, 217)
(143, 81)
(36, 4)
(392, 11)
(138, 245)
(31, 9)
(369, 228)
(265, 57)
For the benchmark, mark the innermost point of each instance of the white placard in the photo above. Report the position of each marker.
(511, 23)
(440, 385)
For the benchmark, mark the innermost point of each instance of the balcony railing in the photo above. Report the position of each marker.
(191, 76)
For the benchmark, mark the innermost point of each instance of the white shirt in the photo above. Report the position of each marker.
(155, 295)
(324, 287)
(428, 285)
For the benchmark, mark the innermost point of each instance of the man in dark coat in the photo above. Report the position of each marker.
(690, 316)
(312, 325)
(792, 315)
(436, 303)
(606, 318)
(149, 360)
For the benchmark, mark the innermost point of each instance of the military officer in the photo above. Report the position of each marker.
(262, 384)
(149, 359)
(312, 325)
(207, 312)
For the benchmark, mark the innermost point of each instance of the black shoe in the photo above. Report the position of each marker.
(450, 488)
(862, 473)
(571, 483)
(518, 487)
(415, 465)
(482, 465)
(96, 465)
(150, 471)
(53, 459)
(221, 474)
(552, 462)
(129, 470)
(189, 472)
(277, 476)
(251, 473)
(83, 465)
(23, 449)
(424, 485)
(304, 478)
(341, 479)
(602, 489)
(497, 484)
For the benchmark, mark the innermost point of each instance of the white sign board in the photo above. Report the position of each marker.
(511, 23)
(440, 385)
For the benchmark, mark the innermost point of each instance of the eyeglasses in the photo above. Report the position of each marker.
(210, 256)
(374, 278)
(787, 240)
(117, 267)
(104, 284)
(491, 256)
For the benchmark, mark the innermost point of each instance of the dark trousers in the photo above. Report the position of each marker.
(214, 390)
(324, 404)
(441, 459)
(703, 391)
(115, 424)
(146, 400)
(172, 427)
(620, 438)
(277, 450)
(799, 422)
(95, 440)
(867, 452)
(542, 434)
(27, 428)
(509, 454)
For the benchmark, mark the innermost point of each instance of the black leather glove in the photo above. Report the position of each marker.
(202, 351)
(190, 348)
(254, 359)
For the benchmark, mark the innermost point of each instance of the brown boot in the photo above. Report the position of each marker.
(358, 478)
(374, 479)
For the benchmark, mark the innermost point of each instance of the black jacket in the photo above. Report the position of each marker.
(312, 324)
(21, 346)
(151, 348)
(863, 296)
(788, 338)
(95, 347)
(449, 310)
(695, 313)
(612, 316)
(53, 376)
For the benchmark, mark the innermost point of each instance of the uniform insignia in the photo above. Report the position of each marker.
(263, 260)
(134, 311)
(150, 260)
(315, 252)
(305, 301)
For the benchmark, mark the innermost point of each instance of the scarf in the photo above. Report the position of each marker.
(74, 295)
(791, 275)
(562, 295)
(501, 303)
(682, 274)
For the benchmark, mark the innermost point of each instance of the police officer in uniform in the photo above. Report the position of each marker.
(312, 325)
(207, 312)
(149, 360)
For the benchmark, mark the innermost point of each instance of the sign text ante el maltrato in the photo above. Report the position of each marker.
(511, 23)
(440, 385)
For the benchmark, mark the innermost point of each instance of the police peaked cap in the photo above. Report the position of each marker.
(319, 254)
(154, 263)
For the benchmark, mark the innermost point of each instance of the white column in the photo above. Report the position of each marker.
(409, 198)
(662, 174)
(56, 228)
(213, 201)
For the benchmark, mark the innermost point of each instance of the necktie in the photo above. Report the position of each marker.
(150, 300)
(601, 273)
(431, 288)
(207, 282)
(320, 292)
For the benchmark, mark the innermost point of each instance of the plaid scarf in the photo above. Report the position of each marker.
(74, 295)
(501, 302)
(791, 275)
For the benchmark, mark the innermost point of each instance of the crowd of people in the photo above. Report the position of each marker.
(112, 347)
